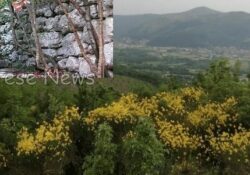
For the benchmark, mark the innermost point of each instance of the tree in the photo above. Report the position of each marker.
(101, 62)
(218, 71)
(18, 5)
(91, 30)
(143, 152)
(221, 80)
(102, 160)
(91, 97)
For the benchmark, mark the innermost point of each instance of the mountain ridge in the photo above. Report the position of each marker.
(198, 27)
(200, 8)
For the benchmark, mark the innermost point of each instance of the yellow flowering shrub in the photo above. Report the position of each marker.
(128, 108)
(231, 144)
(220, 113)
(176, 136)
(49, 137)
(184, 121)
(171, 103)
(192, 93)
(172, 114)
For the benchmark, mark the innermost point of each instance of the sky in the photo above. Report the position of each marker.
(127, 7)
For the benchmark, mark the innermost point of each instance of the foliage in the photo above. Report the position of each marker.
(102, 160)
(185, 167)
(191, 130)
(143, 153)
(91, 97)
(3, 153)
(221, 81)
(187, 124)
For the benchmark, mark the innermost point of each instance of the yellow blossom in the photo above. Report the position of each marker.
(177, 136)
(47, 134)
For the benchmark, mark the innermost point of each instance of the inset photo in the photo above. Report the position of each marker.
(73, 37)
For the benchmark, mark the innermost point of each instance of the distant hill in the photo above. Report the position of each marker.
(199, 27)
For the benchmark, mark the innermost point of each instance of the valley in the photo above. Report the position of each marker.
(183, 63)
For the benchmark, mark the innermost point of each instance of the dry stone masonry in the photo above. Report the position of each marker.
(57, 40)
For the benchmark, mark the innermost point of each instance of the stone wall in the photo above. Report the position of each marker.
(56, 38)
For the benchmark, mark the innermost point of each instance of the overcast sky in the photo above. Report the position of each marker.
(171, 6)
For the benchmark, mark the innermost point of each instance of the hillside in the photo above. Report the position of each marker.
(199, 27)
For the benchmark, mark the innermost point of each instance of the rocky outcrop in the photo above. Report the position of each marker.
(57, 40)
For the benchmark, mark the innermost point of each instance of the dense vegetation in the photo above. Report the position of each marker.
(109, 129)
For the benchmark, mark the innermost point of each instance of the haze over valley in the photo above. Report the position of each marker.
(182, 43)
(199, 27)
